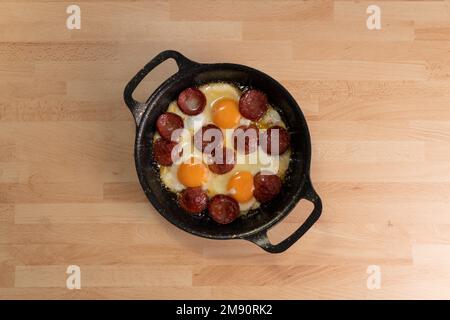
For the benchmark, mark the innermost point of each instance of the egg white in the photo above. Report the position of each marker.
(272, 118)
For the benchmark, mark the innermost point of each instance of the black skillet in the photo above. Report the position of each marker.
(296, 186)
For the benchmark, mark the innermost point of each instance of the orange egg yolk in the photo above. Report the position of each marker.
(225, 113)
(241, 186)
(192, 173)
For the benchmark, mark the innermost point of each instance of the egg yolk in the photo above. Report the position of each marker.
(192, 174)
(225, 113)
(241, 186)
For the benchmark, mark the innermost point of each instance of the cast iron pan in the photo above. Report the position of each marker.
(296, 186)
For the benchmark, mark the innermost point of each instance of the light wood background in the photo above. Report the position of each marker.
(378, 107)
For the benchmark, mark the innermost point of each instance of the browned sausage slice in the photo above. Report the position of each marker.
(272, 134)
(162, 151)
(208, 136)
(223, 209)
(253, 104)
(223, 161)
(191, 101)
(167, 123)
(193, 200)
(267, 186)
(246, 138)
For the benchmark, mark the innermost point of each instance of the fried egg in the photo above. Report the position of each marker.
(222, 109)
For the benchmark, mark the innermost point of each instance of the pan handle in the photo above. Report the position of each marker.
(262, 240)
(137, 108)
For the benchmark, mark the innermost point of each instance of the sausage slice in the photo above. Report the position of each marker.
(167, 123)
(253, 104)
(223, 161)
(162, 151)
(193, 200)
(246, 138)
(267, 186)
(223, 209)
(272, 134)
(208, 136)
(191, 101)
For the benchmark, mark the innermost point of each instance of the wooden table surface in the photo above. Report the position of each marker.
(377, 104)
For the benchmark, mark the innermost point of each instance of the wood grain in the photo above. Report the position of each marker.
(377, 104)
